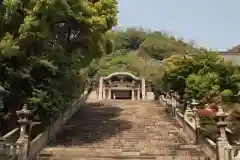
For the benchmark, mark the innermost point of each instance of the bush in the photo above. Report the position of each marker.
(226, 95)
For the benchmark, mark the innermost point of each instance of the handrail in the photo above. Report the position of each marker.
(228, 130)
(10, 133)
(231, 152)
(43, 138)
(10, 146)
(206, 145)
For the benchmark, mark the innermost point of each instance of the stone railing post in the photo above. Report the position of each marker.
(232, 152)
(173, 103)
(177, 110)
(222, 141)
(170, 94)
(188, 114)
(160, 99)
(175, 100)
(163, 100)
(196, 120)
(238, 155)
(170, 102)
(166, 100)
(3, 155)
(176, 104)
(170, 99)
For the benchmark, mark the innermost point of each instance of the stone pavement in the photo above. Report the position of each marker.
(129, 130)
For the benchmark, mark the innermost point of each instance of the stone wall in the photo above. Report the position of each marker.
(39, 142)
(206, 145)
(13, 147)
(189, 128)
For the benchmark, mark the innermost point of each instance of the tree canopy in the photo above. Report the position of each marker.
(202, 76)
(45, 48)
(140, 51)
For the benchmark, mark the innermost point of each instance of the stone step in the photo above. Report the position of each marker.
(128, 145)
(118, 143)
(126, 157)
(157, 158)
(121, 150)
(131, 132)
(147, 132)
(123, 137)
(133, 135)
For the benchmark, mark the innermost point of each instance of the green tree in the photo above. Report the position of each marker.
(129, 39)
(205, 86)
(45, 47)
(191, 74)
(160, 45)
(234, 123)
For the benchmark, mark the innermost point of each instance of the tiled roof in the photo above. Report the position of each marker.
(235, 49)
(232, 56)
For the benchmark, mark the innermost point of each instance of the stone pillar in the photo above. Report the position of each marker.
(189, 115)
(196, 122)
(133, 91)
(222, 141)
(3, 155)
(143, 89)
(100, 90)
(109, 93)
(109, 90)
(133, 95)
(138, 93)
(170, 94)
(104, 92)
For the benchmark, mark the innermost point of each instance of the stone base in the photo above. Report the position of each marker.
(150, 96)
(93, 95)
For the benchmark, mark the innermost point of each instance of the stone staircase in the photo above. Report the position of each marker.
(111, 130)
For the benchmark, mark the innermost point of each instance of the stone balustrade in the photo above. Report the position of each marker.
(13, 146)
(7, 146)
(231, 152)
(189, 122)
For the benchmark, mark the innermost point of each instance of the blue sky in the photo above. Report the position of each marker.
(210, 23)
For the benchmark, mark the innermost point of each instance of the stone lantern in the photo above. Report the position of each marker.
(194, 105)
(23, 120)
(22, 142)
(222, 140)
(221, 122)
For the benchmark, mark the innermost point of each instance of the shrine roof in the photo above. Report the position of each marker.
(122, 74)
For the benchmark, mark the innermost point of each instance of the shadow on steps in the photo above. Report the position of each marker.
(92, 123)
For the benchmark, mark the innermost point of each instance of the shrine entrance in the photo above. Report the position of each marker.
(121, 94)
(121, 85)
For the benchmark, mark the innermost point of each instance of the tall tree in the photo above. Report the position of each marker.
(44, 47)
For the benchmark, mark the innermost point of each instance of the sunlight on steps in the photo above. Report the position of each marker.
(130, 130)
